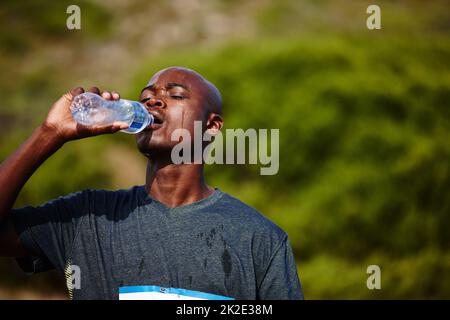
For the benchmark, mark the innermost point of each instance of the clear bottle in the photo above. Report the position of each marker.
(91, 109)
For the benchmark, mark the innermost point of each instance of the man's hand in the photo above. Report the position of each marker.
(61, 124)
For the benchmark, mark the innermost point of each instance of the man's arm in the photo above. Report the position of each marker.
(14, 172)
(58, 128)
(281, 281)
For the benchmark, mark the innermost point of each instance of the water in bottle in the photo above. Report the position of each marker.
(91, 109)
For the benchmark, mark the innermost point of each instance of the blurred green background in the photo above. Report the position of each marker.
(364, 121)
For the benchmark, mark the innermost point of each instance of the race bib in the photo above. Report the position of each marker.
(161, 293)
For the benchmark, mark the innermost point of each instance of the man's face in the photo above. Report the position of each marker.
(176, 98)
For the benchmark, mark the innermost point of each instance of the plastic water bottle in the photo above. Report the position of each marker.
(91, 109)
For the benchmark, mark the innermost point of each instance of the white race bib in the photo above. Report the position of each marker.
(160, 293)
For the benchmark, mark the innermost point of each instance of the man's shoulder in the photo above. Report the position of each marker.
(248, 217)
(99, 199)
(109, 193)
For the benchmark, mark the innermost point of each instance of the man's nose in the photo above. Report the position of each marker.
(154, 102)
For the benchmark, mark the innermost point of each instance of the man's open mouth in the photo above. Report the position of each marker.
(157, 123)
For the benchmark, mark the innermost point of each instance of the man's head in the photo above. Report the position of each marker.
(177, 97)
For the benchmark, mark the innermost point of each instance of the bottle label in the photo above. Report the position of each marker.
(135, 125)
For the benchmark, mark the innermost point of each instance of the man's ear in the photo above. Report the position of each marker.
(214, 123)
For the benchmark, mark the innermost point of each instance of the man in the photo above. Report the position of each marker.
(175, 237)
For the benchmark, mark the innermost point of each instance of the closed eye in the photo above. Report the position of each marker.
(177, 97)
(145, 100)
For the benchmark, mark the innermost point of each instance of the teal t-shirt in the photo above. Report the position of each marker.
(126, 242)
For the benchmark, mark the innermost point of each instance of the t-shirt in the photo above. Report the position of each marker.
(126, 244)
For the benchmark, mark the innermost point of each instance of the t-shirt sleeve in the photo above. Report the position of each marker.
(48, 231)
(281, 280)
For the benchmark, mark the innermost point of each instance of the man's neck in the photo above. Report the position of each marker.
(176, 185)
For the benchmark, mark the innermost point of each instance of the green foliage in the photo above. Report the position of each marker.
(34, 21)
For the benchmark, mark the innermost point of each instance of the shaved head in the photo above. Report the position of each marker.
(212, 95)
